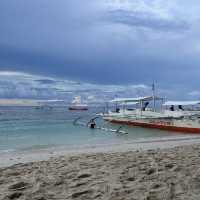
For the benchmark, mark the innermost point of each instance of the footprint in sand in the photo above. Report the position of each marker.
(78, 194)
(19, 186)
(15, 195)
(85, 175)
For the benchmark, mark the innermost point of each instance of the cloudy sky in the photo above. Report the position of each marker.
(97, 44)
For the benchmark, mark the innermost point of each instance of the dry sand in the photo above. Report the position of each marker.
(133, 175)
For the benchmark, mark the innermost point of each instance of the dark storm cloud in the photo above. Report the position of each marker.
(147, 20)
(46, 81)
(87, 40)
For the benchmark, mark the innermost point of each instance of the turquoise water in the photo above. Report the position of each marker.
(28, 127)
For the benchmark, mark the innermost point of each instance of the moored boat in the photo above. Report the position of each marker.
(180, 120)
(77, 105)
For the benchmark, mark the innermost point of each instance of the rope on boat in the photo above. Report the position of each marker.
(76, 120)
(119, 129)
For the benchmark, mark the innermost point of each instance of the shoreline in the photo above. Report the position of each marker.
(33, 155)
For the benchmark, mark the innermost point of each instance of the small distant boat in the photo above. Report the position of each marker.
(77, 105)
(44, 107)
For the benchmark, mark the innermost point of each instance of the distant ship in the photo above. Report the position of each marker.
(77, 105)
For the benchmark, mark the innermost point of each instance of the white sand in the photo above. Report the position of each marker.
(117, 172)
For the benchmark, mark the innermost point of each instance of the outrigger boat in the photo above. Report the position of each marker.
(171, 119)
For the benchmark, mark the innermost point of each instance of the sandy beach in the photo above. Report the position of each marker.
(152, 174)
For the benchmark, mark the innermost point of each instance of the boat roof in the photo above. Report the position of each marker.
(183, 103)
(128, 103)
(136, 100)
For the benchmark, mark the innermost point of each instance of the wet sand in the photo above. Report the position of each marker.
(8, 158)
(172, 173)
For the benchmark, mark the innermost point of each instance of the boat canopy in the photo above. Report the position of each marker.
(182, 103)
(127, 103)
(135, 100)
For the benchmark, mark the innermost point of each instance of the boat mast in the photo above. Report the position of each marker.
(154, 102)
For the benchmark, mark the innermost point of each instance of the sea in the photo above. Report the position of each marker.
(27, 128)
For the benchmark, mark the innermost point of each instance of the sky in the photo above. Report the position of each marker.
(97, 44)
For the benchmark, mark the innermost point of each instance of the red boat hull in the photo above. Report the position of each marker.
(157, 126)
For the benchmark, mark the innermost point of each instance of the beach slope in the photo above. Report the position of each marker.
(141, 175)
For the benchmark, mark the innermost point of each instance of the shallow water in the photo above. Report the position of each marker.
(31, 128)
